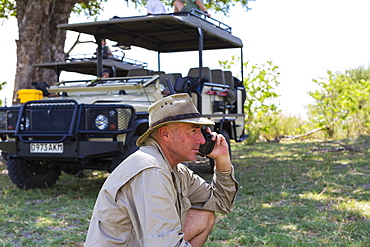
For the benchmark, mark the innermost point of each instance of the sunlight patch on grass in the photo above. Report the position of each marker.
(96, 174)
(42, 222)
(267, 205)
(314, 196)
(362, 208)
(314, 173)
(339, 203)
(354, 172)
(289, 227)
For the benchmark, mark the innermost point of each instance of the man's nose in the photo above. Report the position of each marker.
(200, 138)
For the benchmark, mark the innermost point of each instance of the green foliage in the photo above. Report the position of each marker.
(342, 106)
(286, 126)
(7, 9)
(2, 85)
(89, 8)
(224, 5)
(253, 136)
(260, 84)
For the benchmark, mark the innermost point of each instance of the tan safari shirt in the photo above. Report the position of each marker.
(144, 202)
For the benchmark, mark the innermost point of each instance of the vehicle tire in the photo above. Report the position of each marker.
(31, 175)
(130, 148)
(227, 138)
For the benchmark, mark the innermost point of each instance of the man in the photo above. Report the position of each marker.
(106, 73)
(155, 7)
(180, 6)
(151, 199)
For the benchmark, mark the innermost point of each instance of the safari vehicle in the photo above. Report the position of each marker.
(83, 124)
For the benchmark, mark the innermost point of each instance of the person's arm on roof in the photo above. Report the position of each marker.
(202, 7)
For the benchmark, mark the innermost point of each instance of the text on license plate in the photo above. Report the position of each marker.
(46, 148)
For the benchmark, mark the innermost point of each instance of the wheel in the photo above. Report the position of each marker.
(227, 138)
(130, 148)
(31, 174)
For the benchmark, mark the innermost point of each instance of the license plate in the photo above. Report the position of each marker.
(46, 148)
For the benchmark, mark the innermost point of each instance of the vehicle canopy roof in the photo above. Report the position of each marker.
(89, 66)
(162, 33)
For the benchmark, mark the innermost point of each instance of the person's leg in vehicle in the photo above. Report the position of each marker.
(178, 5)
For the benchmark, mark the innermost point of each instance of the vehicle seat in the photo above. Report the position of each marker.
(175, 76)
(43, 86)
(207, 76)
(182, 85)
(229, 80)
(163, 81)
(139, 72)
(218, 76)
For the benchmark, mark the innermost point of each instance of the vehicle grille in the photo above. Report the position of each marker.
(47, 118)
(64, 118)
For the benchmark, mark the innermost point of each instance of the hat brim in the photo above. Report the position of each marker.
(201, 120)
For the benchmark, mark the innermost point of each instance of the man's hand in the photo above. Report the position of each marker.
(202, 7)
(220, 152)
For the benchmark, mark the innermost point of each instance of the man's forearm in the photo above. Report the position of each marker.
(223, 164)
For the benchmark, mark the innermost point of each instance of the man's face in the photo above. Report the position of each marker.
(185, 140)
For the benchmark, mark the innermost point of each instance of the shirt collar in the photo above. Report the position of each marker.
(153, 143)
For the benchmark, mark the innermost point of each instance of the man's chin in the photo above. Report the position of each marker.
(192, 158)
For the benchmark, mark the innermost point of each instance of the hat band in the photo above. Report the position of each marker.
(176, 118)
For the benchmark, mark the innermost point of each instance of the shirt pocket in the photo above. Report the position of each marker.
(185, 202)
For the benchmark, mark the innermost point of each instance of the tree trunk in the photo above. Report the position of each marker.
(40, 40)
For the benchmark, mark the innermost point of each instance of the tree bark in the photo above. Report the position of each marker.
(40, 40)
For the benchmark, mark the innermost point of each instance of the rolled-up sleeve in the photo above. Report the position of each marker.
(218, 196)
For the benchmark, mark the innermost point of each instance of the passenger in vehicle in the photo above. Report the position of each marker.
(179, 6)
(155, 7)
(106, 73)
(105, 50)
(151, 198)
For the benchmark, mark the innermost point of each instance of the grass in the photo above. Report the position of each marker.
(57, 216)
(299, 194)
(290, 194)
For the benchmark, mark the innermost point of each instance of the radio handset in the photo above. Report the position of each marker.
(207, 147)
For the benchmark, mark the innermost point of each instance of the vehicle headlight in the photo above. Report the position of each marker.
(101, 122)
(25, 123)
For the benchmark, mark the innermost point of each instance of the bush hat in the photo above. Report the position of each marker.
(176, 108)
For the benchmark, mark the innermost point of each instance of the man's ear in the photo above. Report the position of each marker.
(164, 133)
